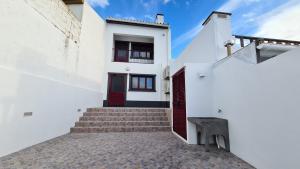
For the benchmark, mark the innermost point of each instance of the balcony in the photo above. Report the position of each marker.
(266, 48)
(127, 50)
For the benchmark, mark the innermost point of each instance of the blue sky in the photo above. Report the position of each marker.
(268, 18)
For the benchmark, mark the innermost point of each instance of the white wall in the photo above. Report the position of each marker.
(261, 103)
(44, 70)
(206, 48)
(198, 95)
(161, 56)
(208, 45)
(92, 47)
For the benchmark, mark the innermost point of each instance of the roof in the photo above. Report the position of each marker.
(215, 12)
(73, 1)
(136, 23)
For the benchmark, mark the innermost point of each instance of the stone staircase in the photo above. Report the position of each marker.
(98, 120)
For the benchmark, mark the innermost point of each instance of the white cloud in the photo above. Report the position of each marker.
(101, 3)
(150, 5)
(229, 6)
(282, 22)
(130, 17)
(187, 35)
(166, 1)
(232, 5)
(149, 17)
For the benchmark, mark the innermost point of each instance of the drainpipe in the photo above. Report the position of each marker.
(228, 44)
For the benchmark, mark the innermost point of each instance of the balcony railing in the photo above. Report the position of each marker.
(133, 56)
(260, 40)
(245, 40)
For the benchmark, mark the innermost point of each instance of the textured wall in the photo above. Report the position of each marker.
(45, 69)
(56, 12)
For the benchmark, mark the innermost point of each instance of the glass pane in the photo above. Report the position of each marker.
(142, 83)
(143, 54)
(134, 82)
(122, 53)
(135, 54)
(117, 84)
(148, 55)
(149, 83)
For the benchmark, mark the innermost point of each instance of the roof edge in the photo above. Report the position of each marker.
(215, 12)
(136, 23)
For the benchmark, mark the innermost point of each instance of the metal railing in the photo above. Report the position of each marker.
(245, 40)
(260, 40)
(133, 56)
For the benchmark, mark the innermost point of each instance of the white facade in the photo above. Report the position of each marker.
(47, 68)
(259, 100)
(54, 62)
(197, 59)
(160, 37)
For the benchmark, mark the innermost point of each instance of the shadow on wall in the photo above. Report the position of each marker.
(52, 94)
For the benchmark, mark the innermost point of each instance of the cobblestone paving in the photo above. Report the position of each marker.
(120, 150)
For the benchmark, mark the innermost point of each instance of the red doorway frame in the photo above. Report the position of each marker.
(116, 99)
(179, 103)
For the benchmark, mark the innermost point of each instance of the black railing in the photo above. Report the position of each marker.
(134, 56)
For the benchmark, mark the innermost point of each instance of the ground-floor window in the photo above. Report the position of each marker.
(139, 82)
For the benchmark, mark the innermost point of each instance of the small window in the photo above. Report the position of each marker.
(142, 82)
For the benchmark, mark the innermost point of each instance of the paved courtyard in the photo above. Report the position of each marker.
(120, 150)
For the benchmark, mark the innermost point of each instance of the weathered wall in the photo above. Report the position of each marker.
(261, 103)
(47, 68)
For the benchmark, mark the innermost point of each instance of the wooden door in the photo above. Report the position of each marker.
(117, 89)
(179, 107)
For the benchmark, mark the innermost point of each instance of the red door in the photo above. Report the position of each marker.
(179, 112)
(116, 89)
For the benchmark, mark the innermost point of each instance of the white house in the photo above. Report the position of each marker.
(137, 53)
(253, 84)
(58, 58)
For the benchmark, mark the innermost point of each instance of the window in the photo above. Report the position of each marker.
(142, 82)
(121, 51)
(142, 50)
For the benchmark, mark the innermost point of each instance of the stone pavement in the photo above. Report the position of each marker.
(131, 150)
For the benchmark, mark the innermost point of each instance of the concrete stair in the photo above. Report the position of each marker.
(98, 120)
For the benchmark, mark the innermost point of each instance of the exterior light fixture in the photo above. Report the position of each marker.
(201, 75)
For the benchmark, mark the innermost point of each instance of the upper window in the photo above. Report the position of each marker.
(121, 51)
(141, 50)
(142, 82)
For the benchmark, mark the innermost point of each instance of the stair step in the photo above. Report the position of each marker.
(126, 110)
(123, 118)
(120, 123)
(120, 129)
(124, 114)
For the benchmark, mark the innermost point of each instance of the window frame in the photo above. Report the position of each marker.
(138, 89)
(121, 45)
(142, 47)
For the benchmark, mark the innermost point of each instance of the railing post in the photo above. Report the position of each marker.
(242, 42)
(258, 57)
